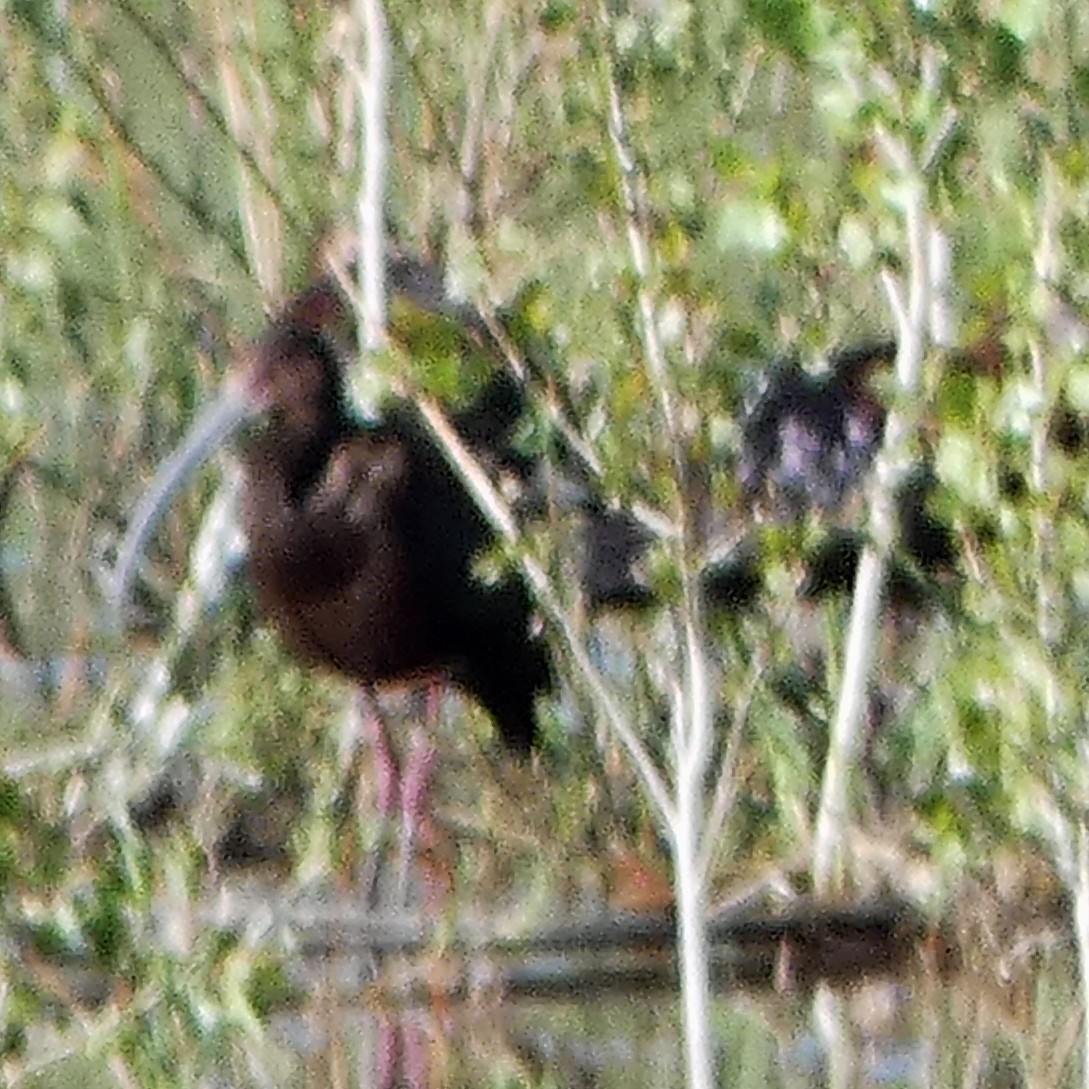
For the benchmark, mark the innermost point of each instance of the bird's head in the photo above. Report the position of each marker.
(290, 379)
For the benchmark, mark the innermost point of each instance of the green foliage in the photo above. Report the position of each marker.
(785, 25)
(166, 171)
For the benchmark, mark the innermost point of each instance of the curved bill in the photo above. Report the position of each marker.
(208, 432)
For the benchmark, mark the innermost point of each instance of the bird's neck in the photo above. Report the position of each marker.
(295, 459)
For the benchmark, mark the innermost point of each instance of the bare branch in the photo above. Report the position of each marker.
(651, 520)
(726, 786)
(259, 214)
(634, 215)
(912, 318)
(697, 735)
(370, 208)
(245, 152)
(1047, 265)
(693, 718)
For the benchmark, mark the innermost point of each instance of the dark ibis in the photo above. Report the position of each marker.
(806, 445)
(361, 538)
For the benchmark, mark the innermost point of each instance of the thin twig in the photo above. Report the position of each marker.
(911, 315)
(1081, 929)
(630, 186)
(696, 749)
(198, 209)
(1046, 260)
(692, 716)
(370, 209)
(651, 520)
(165, 50)
(726, 785)
(258, 213)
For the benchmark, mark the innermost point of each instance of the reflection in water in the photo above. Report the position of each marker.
(919, 1029)
(858, 997)
(406, 1045)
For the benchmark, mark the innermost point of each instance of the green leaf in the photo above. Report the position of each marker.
(961, 468)
(1005, 54)
(750, 225)
(785, 24)
(557, 15)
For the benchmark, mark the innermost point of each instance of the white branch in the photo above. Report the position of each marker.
(726, 786)
(693, 717)
(370, 208)
(694, 753)
(912, 319)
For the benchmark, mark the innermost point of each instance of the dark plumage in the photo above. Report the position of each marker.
(361, 537)
(810, 438)
(806, 446)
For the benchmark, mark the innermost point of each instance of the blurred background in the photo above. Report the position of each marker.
(180, 802)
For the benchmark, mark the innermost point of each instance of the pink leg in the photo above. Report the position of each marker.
(415, 785)
(403, 1053)
(402, 792)
(388, 787)
(387, 1058)
(416, 1048)
(385, 762)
